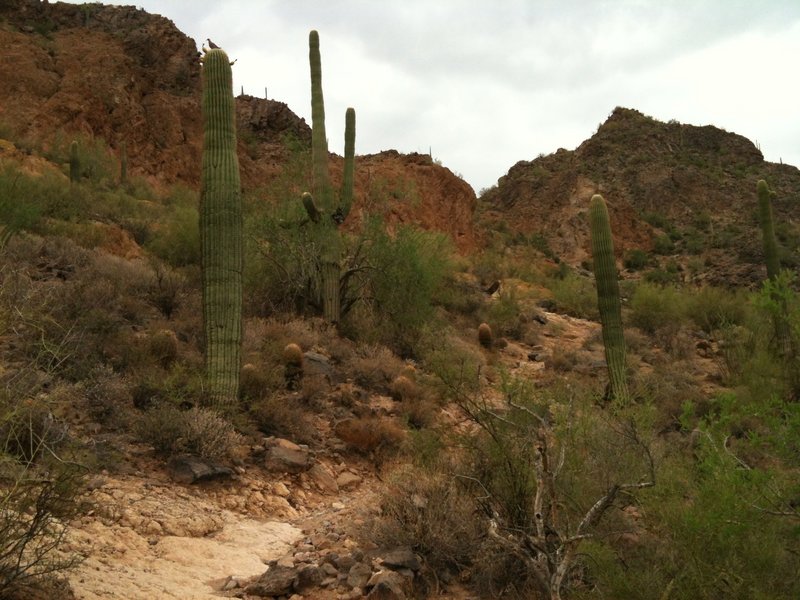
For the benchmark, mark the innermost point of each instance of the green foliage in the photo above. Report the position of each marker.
(575, 295)
(656, 307)
(408, 269)
(221, 232)
(636, 259)
(663, 245)
(712, 307)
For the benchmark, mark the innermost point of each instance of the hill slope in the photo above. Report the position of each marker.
(695, 184)
(126, 76)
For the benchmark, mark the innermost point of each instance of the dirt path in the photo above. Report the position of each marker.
(150, 538)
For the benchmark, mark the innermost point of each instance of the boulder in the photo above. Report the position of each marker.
(276, 581)
(193, 469)
(284, 456)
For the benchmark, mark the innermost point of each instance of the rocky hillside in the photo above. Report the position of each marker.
(675, 191)
(126, 76)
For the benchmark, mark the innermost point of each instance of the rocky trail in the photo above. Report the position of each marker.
(150, 537)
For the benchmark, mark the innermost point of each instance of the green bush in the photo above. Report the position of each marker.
(663, 245)
(575, 295)
(712, 307)
(654, 307)
(636, 259)
(407, 270)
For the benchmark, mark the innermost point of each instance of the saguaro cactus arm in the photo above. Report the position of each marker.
(221, 231)
(608, 302)
(349, 161)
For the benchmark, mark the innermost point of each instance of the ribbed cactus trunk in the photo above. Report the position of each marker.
(608, 303)
(326, 220)
(349, 160)
(782, 326)
(221, 232)
(768, 230)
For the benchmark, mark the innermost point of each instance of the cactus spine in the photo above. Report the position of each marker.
(221, 232)
(768, 230)
(320, 204)
(608, 303)
(74, 162)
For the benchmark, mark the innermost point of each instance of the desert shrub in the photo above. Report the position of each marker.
(663, 244)
(456, 295)
(176, 241)
(370, 434)
(39, 486)
(433, 514)
(199, 431)
(285, 416)
(712, 307)
(503, 313)
(654, 308)
(636, 259)
(373, 367)
(575, 295)
(408, 270)
(19, 210)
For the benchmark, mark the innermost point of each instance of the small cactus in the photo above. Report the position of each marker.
(608, 302)
(74, 162)
(293, 366)
(485, 336)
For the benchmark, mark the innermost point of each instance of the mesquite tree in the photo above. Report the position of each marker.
(221, 232)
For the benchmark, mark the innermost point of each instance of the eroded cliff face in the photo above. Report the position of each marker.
(694, 182)
(126, 76)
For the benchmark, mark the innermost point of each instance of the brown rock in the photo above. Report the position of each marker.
(276, 581)
(284, 456)
(320, 474)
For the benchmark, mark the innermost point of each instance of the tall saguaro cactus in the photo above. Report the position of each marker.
(320, 205)
(221, 232)
(768, 230)
(608, 303)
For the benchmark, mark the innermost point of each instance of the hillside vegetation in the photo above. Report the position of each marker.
(452, 432)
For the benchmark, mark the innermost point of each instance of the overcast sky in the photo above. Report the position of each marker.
(484, 84)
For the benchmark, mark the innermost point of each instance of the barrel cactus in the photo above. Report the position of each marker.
(608, 302)
(221, 232)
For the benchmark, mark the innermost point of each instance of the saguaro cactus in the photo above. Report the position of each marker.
(349, 159)
(221, 232)
(608, 303)
(74, 162)
(320, 205)
(768, 230)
